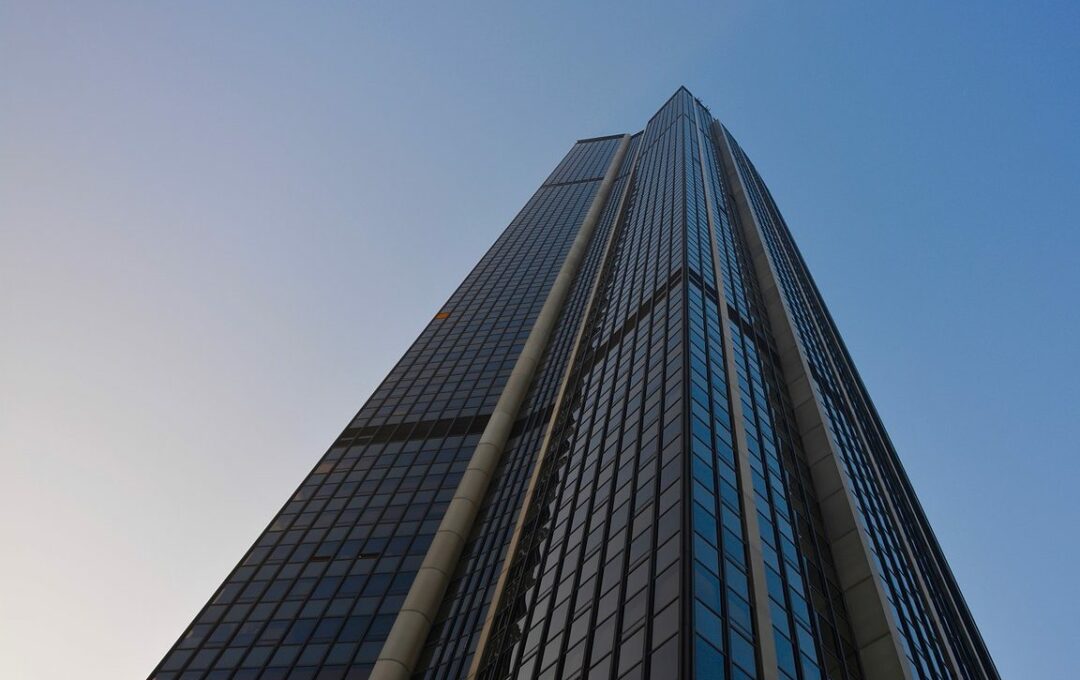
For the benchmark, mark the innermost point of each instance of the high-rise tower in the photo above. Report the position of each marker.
(631, 445)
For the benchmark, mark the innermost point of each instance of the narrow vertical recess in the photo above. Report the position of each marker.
(402, 648)
(766, 646)
(688, 669)
(876, 635)
(515, 539)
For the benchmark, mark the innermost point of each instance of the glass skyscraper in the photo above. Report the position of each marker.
(631, 445)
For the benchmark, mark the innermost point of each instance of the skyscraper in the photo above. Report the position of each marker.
(631, 445)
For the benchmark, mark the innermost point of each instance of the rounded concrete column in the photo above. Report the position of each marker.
(402, 648)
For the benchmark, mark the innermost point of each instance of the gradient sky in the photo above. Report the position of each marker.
(221, 224)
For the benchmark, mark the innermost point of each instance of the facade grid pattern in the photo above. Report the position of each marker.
(654, 514)
(909, 607)
(318, 592)
(452, 641)
(596, 589)
(799, 570)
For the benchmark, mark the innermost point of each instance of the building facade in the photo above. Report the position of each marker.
(631, 445)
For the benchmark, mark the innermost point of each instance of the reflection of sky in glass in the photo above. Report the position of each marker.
(205, 215)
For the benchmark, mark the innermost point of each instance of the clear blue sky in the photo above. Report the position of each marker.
(221, 224)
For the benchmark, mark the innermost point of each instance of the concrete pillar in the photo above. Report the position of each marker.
(874, 627)
(402, 648)
(545, 445)
(766, 645)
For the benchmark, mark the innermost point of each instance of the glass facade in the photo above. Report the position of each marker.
(939, 637)
(654, 512)
(318, 592)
